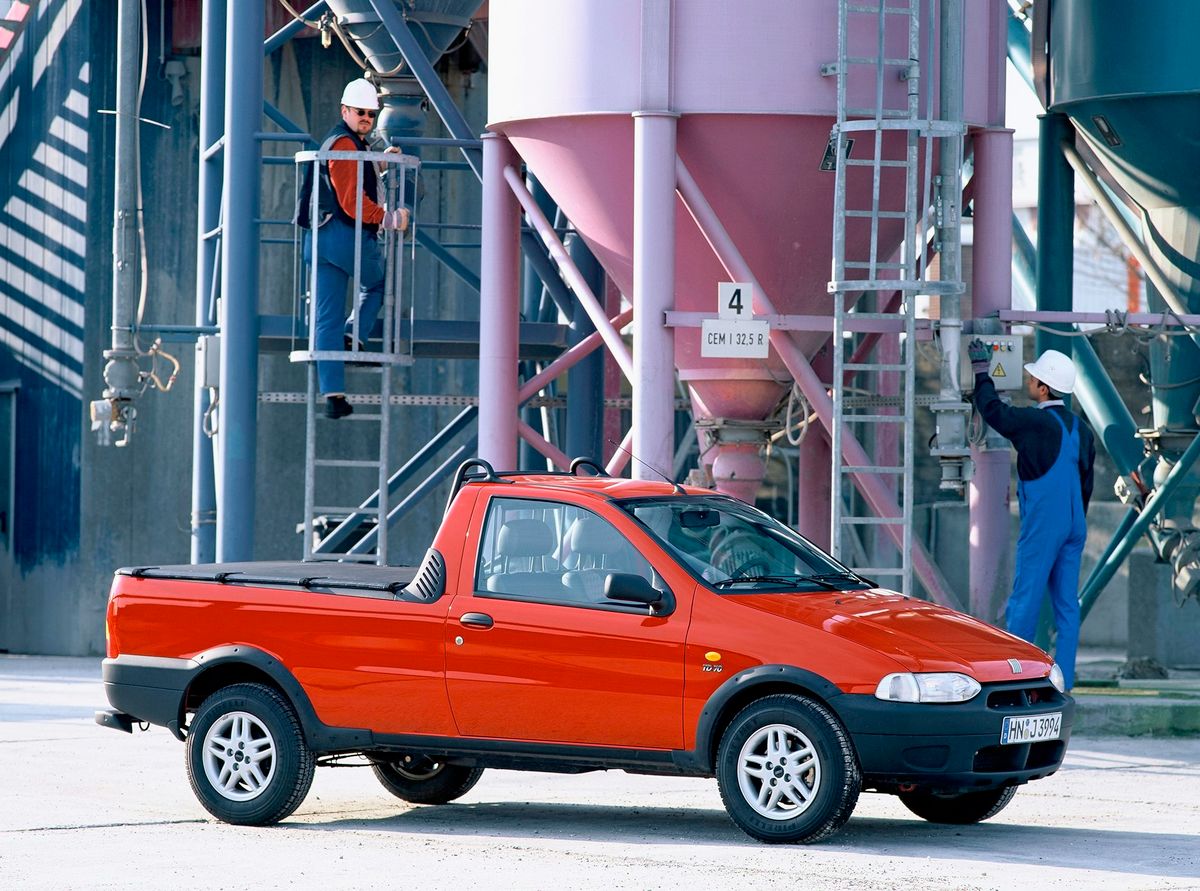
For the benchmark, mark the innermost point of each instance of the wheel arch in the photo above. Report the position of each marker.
(747, 686)
(224, 666)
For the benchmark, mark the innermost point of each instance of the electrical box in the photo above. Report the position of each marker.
(1007, 363)
(208, 360)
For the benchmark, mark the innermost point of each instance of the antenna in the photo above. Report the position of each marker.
(678, 489)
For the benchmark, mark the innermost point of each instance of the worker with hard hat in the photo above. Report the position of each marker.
(1055, 453)
(337, 202)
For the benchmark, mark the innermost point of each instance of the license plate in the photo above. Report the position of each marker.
(1033, 728)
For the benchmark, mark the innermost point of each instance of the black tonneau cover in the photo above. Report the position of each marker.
(327, 577)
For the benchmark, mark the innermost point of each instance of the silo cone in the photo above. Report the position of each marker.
(1131, 86)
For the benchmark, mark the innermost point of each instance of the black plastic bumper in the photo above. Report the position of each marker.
(148, 688)
(954, 747)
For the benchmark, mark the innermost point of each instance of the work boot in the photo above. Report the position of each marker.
(337, 407)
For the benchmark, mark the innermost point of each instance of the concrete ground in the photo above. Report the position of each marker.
(84, 807)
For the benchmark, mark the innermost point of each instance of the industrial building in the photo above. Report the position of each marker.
(684, 238)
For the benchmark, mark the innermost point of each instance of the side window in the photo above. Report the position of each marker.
(553, 552)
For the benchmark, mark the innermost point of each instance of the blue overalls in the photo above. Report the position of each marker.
(1053, 532)
(335, 267)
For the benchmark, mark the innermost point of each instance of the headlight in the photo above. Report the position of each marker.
(1057, 679)
(904, 686)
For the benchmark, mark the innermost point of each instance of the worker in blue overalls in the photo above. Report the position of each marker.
(1055, 453)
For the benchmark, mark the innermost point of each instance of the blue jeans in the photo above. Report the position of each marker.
(335, 268)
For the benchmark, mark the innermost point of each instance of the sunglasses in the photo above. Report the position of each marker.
(365, 112)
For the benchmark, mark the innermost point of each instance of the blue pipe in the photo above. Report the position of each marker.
(290, 30)
(1056, 226)
(447, 259)
(1155, 503)
(238, 410)
(212, 93)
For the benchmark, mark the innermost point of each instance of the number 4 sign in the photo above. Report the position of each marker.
(735, 300)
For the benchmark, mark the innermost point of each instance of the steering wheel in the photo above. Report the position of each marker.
(739, 555)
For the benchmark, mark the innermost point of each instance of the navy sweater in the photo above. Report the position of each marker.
(1036, 436)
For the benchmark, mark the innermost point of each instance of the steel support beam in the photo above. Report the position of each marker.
(428, 78)
(499, 306)
(989, 533)
(653, 294)
(212, 115)
(570, 271)
(1056, 226)
(238, 408)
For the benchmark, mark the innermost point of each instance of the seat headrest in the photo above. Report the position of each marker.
(524, 538)
(591, 535)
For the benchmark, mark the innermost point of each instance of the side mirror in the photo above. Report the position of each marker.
(626, 587)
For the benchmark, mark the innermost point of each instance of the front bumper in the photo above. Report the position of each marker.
(954, 747)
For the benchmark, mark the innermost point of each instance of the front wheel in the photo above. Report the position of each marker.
(423, 780)
(247, 759)
(961, 809)
(787, 770)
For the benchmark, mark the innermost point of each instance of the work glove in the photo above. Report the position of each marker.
(396, 219)
(980, 355)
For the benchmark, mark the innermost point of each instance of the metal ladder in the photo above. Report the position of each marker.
(321, 472)
(864, 407)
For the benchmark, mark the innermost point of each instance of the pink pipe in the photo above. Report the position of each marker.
(617, 463)
(499, 308)
(653, 292)
(991, 290)
(539, 442)
(570, 271)
(876, 493)
(571, 357)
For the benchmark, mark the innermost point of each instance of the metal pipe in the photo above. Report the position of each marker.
(542, 445)
(881, 500)
(570, 271)
(1105, 571)
(1090, 592)
(1056, 226)
(585, 377)
(568, 359)
(121, 370)
(427, 77)
(292, 28)
(1128, 237)
(212, 114)
(238, 408)
(653, 293)
(950, 160)
(990, 534)
(499, 302)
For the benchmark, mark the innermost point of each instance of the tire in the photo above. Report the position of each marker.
(958, 810)
(247, 759)
(420, 779)
(806, 795)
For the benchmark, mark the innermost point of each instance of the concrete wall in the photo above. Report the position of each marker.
(86, 508)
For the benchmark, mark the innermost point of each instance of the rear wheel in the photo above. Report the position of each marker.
(423, 780)
(961, 809)
(247, 759)
(787, 770)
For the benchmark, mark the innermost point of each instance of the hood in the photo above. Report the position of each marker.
(920, 636)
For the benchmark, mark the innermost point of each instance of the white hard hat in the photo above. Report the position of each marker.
(360, 93)
(1055, 370)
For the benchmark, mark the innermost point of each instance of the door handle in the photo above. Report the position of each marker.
(476, 620)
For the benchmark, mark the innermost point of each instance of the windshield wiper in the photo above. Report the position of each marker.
(776, 580)
(846, 575)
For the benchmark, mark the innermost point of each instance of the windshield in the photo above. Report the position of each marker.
(735, 547)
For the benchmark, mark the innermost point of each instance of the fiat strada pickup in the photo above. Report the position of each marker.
(570, 622)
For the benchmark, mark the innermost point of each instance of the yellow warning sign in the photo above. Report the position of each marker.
(999, 371)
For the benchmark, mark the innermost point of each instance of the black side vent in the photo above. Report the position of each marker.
(430, 581)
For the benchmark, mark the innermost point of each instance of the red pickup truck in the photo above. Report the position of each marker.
(574, 622)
